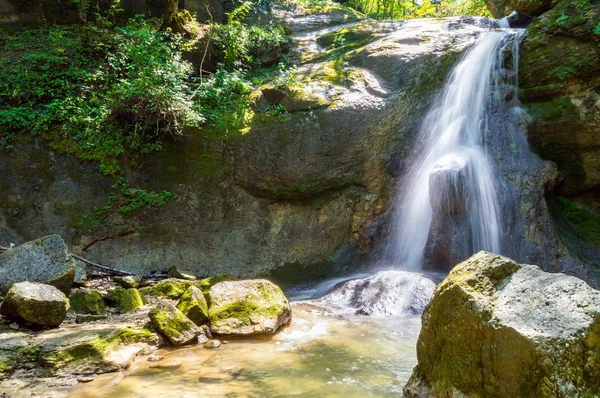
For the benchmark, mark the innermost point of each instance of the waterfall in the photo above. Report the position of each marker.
(447, 206)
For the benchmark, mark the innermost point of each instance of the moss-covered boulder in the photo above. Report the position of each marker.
(175, 326)
(44, 260)
(193, 305)
(495, 328)
(86, 301)
(126, 299)
(175, 288)
(36, 304)
(248, 307)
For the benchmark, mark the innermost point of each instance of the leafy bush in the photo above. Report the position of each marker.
(96, 91)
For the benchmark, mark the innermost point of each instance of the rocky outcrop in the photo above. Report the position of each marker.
(35, 304)
(496, 328)
(171, 323)
(530, 8)
(559, 82)
(247, 307)
(44, 260)
(385, 293)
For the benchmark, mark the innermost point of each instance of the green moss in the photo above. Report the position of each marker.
(130, 300)
(244, 311)
(585, 224)
(86, 302)
(193, 305)
(554, 108)
(171, 324)
(170, 288)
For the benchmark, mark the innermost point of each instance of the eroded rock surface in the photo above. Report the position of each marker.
(496, 328)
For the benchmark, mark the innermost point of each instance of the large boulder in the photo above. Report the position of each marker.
(35, 303)
(248, 307)
(175, 326)
(44, 260)
(385, 293)
(495, 328)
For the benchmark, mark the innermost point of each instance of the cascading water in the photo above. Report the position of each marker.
(448, 206)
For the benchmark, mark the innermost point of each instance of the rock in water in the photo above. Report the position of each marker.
(385, 293)
(194, 306)
(36, 303)
(44, 260)
(495, 328)
(171, 322)
(248, 307)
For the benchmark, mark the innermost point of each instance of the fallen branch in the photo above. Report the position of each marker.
(102, 238)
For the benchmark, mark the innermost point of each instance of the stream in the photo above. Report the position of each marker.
(320, 354)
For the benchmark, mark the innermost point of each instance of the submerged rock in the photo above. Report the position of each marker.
(193, 305)
(385, 293)
(496, 328)
(248, 307)
(171, 322)
(85, 301)
(35, 303)
(44, 260)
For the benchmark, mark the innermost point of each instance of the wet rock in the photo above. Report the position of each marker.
(498, 328)
(44, 260)
(85, 301)
(385, 293)
(193, 305)
(129, 281)
(178, 273)
(202, 339)
(171, 322)
(247, 307)
(35, 303)
(212, 344)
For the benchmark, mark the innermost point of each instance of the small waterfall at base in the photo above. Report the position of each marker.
(447, 207)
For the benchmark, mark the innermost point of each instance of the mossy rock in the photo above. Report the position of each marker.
(247, 307)
(129, 281)
(495, 328)
(36, 304)
(193, 305)
(175, 288)
(126, 299)
(179, 273)
(173, 324)
(85, 301)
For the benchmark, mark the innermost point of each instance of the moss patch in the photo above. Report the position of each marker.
(85, 301)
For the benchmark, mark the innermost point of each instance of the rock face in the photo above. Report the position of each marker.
(193, 305)
(44, 260)
(559, 84)
(35, 303)
(247, 307)
(530, 8)
(385, 293)
(297, 198)
(496, 328)
(171, 322)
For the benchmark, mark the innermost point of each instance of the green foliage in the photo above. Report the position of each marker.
(398, 9)
(560, 21)
(93, 90)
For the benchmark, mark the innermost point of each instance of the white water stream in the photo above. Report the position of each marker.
(451, 167)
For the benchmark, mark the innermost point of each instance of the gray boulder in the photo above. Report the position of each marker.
(44, 260)
(35, 303)
(247, 307)
(495, 328)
